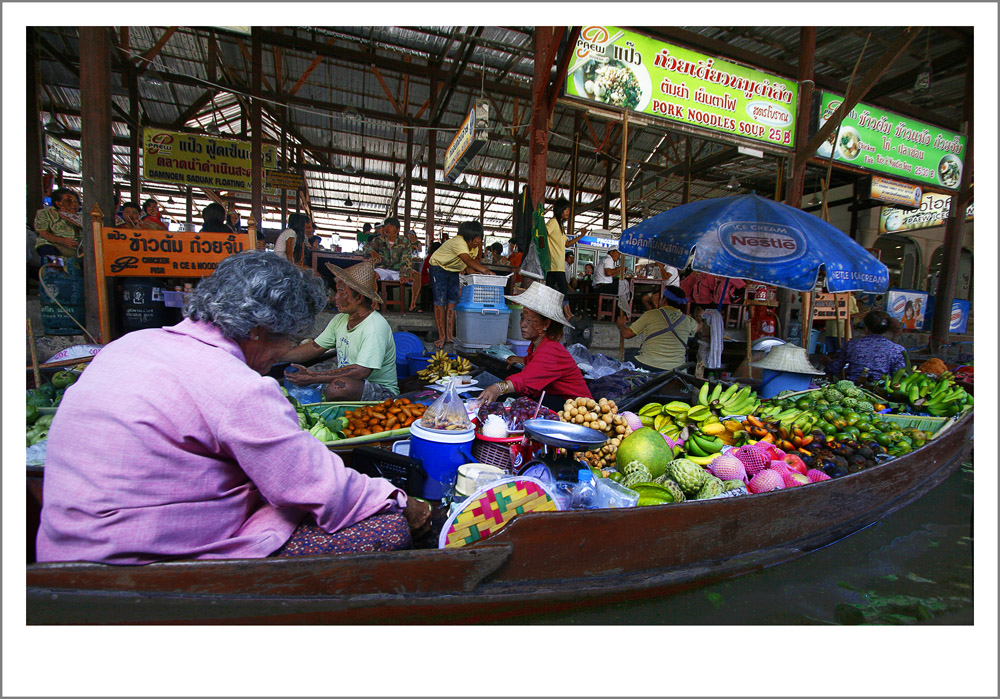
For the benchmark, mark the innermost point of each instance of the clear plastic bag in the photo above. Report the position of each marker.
(448, 412)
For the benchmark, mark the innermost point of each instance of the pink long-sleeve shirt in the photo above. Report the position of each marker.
(169, 446)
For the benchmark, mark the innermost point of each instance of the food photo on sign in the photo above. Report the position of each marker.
(908, 307)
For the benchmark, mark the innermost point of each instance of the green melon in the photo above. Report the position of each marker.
(648, 447)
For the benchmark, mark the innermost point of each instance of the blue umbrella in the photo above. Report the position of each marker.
(749, 237)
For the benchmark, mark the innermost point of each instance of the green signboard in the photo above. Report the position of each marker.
(619, 68)
(874, 139)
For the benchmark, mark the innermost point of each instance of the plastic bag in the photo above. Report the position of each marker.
(531, 266)
(448, 412)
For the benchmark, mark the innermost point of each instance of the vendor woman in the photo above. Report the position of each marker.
(173, 444)
(548, 366)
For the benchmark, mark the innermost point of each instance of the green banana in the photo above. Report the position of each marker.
(703, 394)
(913, 393)
(716, 392)
(709, 445)
(692, 447)
(729, 392)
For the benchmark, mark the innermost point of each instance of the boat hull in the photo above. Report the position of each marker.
(540, 563)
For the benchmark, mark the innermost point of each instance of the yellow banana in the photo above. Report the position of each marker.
(701, 460)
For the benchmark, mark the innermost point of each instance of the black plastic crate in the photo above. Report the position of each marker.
(402, 471)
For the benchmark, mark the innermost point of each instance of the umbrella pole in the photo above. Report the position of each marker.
(621, 187)
(807, 319)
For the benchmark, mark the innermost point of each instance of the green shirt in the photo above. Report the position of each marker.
(369, 344)
(398, 256)
(663, 351)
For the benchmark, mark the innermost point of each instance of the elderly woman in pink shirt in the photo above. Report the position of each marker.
(174, 445)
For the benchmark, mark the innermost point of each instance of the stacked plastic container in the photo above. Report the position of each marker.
(482, 315)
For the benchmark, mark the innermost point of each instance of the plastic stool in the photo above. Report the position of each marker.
(602, 311)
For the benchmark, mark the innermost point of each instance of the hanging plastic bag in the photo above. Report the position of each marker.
(531, 266)
(448, 412)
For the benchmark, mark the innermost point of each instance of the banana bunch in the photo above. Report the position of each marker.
(681, 422)
(702, 448)
(441, 366)
(734, 400)
(804, 420)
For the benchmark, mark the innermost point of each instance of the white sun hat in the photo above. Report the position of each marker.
(787, 357)
(543, 300)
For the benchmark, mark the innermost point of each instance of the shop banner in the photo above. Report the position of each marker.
(468, 141)
(884, 189)
(201, 161)
(61, 155)
(620, 68)
(830, 307)
(152, 253)
(959, 316)
(280, 179)
(908, 307)
(934, 209)
(874, 139)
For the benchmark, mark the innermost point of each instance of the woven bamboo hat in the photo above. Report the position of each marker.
(543, 300)
(787, 357)
(360, 277)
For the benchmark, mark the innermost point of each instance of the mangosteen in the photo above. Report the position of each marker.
(856, 463)
(866, 453)
(808, 459)
(835, 471)
(818, 436)
(847, 449)
(840, 460)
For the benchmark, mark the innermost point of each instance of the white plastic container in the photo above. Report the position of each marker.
(484, 279)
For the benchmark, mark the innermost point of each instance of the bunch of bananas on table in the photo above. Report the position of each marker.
(442, 366)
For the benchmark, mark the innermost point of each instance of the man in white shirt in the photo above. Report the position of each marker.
(606, 271)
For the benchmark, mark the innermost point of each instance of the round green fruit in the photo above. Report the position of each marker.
(647, 446)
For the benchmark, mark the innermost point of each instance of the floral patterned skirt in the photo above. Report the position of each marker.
(377, 533)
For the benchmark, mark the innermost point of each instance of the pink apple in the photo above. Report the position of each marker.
(794, 479)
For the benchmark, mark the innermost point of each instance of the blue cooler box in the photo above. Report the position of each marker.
(480, 324)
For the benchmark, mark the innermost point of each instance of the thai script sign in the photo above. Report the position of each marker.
(884, 189)
(874, 139)
(61, 155)
(152, 253)
(468, 141)
(201, 161)
(623, 69)
(279, 179)
(934, 209)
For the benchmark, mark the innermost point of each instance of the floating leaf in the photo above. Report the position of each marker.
(715, 598)
(849, 586)
(891, 577)
(916, 578)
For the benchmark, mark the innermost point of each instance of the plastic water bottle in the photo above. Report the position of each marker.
(585, 492)
(303, 394)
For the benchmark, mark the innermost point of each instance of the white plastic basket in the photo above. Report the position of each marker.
(483, 279)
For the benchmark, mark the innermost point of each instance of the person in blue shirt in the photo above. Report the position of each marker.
(873, 354)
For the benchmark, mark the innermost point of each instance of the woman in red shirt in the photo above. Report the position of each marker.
(548, 366)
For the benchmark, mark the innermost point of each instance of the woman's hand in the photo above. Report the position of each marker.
(418, 516)
(514, 359)
(299, 375)
(491, 394)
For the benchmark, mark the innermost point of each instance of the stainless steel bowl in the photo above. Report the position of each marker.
(563, 434)
(765, 344)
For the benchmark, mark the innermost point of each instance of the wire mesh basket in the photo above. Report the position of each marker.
(483, 293)
(483, 279)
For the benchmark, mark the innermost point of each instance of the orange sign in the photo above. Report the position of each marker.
(154, 253)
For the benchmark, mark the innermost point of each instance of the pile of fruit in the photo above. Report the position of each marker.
(514, 415)
(390, 414)
(442, 366)
(917, 392)
(48, 395)
(601, 415)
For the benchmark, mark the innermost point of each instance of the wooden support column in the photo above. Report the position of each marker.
(607, 192)
(256, 127)
(95, 117)
(954, 230)
(577, 127)
(796, 182)
(431, 166)
(33, 133)
(546, 44)
(408, 181)
(517, 172)
(284, 166)
(189, 204)
(135, 134)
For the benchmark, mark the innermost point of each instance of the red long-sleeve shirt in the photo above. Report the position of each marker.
(550, 368)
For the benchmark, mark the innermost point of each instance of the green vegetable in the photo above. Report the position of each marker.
(337, 424)
(39, 399)
(47, 388)
(62, 379)
(303, 420)
(32, 413)
(44, 421)
(36, 434)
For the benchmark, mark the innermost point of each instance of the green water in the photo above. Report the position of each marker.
(913, 567)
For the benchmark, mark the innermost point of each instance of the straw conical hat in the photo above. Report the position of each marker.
(360, 277)
(543, 300)
(787, 358)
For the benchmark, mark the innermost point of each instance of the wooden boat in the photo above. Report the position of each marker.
(542, 562)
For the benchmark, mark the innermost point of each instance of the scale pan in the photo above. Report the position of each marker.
(563, 434)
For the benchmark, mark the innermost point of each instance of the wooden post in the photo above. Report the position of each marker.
(189, 204)
(135, 134)
(33, 133)
(546, 45)
(573, 193)
(96, 142)
(621, 339)
(955, 225)
(607, 193)
(284, 166)
(33, 349)
(431, 167)
(408, 180)
(100, 281)
(256, 128)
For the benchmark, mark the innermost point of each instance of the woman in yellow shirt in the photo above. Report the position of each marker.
(451, 259)
(558, 242)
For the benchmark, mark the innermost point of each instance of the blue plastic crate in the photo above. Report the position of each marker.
(480, 294)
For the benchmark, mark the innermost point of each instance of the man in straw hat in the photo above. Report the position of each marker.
(548, 366)
(366, 351)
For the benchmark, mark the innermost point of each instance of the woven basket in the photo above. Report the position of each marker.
(494, 451)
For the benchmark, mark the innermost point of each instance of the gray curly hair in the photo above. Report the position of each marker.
(258, 288)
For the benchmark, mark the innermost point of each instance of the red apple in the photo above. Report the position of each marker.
(795, 463)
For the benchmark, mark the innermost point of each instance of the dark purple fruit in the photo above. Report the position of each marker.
(835, 470)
